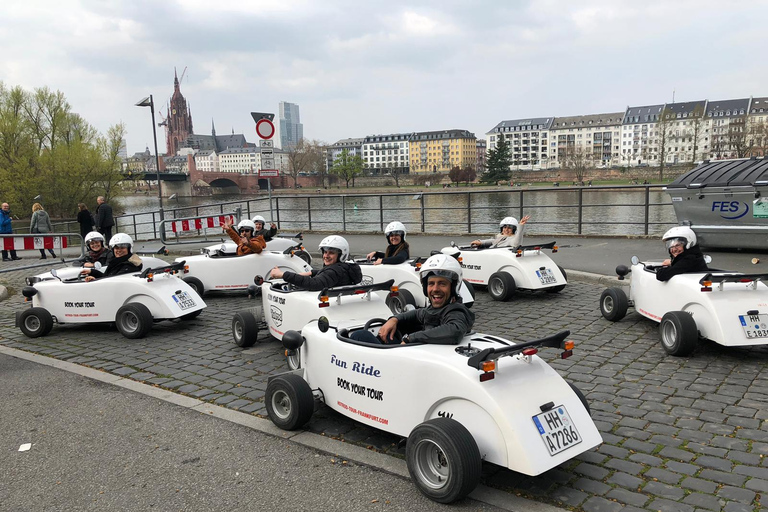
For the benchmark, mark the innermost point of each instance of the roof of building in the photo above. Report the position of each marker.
(214, 142)
(727, 108)
(686, 109)
(535, 123)
(443, 134)
(643, 114)
(391, 137)
(759, 106)
(348, 142)
(590, 120)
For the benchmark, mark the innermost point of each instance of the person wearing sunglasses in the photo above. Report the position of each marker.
(245, 238)
(121, 261)
(685, 255)
(336, 271)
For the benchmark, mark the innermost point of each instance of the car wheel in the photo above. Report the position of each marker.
(560, 287)
(133, 320)
(679, 333)
(36, 322)
(471, 290)
(245, 329)
(501, 286)
(397, 304)
(443, 460)
(613, 304)
(196, 285)
(289, 402)
(582, 398)
(192, 315)
(305, 256)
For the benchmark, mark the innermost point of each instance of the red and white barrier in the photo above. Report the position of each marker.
(30, 243)
(194, 224)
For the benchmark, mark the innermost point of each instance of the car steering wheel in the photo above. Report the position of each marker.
(375, 322)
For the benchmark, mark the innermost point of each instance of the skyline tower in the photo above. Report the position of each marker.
(291, 129)
(178, 124)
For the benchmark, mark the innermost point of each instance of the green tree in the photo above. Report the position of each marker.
(347, 166)
(498, 162)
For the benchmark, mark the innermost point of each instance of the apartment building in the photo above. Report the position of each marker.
(758, 127)
(439, 151)
(248, 160)
(596, 135)
(383, 154)
(207, 161)
(637, 133)
(482, 155)
(729, 128)
(530, 143)
(353, 147)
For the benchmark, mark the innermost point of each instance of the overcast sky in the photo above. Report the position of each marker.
(358, 68)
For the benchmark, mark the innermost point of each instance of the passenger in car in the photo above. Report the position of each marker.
(261, 229)
(444, 322)
(120, 261)
(685, 255)
(510, 234)
(245, 238)
(336, 271)
(398, 249)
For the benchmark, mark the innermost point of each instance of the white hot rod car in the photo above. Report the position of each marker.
(729, 308)
(132, 301)
(504, 269)
(486, 399)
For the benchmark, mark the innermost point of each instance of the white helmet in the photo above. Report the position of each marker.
(121, 238)
(395, 227)
(246, 224)
(441, 265)
(93, 235)
(509, 221)
(680, 234)
(336, 242)
(259, 218)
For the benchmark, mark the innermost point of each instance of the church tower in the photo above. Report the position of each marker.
(178, 125)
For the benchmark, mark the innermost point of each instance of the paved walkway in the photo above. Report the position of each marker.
(680, 434)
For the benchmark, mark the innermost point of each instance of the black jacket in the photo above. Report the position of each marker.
(444, 326)
(104, 218)
(400, 257)
(690, 260)
(338, 274)
(117, 266)
(268, 233)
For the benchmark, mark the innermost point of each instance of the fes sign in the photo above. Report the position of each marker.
(265, 129)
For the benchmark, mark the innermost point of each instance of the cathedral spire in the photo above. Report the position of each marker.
(213, 128)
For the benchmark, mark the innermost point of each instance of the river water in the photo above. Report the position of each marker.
(604, 211)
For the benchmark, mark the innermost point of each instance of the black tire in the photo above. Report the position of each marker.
(443, 460)
(614, 304)
(581, 397)
(560, 287)
(35, 322)
(397, 304)
(192, 315)
(133, 320)
(471, 290)
(304, 255)
(245, 329)
(289, 401)
(501, 286)
(196, 285)
(679, 333)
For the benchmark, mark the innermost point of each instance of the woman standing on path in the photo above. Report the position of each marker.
(85, 219)
(41, 223)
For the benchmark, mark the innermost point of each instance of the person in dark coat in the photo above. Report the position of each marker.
(336, 270)
(97, 250)
(7, 229)
(261, 228)
(122, 261)
(85, 219)
(685, 255)
(397, 250)
(41, 223)
(104, 219)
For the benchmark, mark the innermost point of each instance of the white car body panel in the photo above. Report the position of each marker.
(278, 244)
(397, 388)
(72, 272)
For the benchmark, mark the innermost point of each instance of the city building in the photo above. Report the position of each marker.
(685, 133)
(140, 162)
(353, 147)
(529, 141)
(440, 151)
(482, 156)
(178, 124)
(386, 154)
(248, 160)
(291, 129)
(595, 137)
(215, 142)
(729, 128)
(637, 132)
(207, 160)
(758, 127)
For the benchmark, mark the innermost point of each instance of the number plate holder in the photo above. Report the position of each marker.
(546, 276)
(184, 300)
(755, 326)
(557, 430)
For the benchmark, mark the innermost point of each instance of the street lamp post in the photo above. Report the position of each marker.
(150, 102)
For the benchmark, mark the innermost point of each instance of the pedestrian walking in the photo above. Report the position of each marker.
(85, 219)
(41, 223)
(104, 219)
(6, 229)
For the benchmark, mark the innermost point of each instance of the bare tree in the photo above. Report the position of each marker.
(697, 124)
(758, 134)
(468, 174)
(305, 157)
(738, 138)
(578, 160)
(663, 138)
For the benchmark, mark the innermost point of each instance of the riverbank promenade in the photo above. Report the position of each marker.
(680, 434)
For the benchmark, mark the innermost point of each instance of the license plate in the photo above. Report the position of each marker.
(184, 300)
(755, 326)
(557, 430)
(546, 276)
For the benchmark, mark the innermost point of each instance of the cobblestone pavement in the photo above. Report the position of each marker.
(680, 434)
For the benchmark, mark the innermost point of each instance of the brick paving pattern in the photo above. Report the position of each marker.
(680, 434)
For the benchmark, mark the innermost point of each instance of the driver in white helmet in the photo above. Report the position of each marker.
(444, 322)
(121, 261)
(510, 234)
(245, 238)
(685, 255)
(261, 230)
(397, 250)
(336, 271)
(97, 250)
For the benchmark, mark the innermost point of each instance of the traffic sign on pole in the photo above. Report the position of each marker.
(265, 129)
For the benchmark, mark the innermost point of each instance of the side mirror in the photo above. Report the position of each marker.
(707, 259)
(97, 265)
(223, 247)
(54, 273)
(323, 324)
(258, 280)
(635, 260)
(453, 244)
